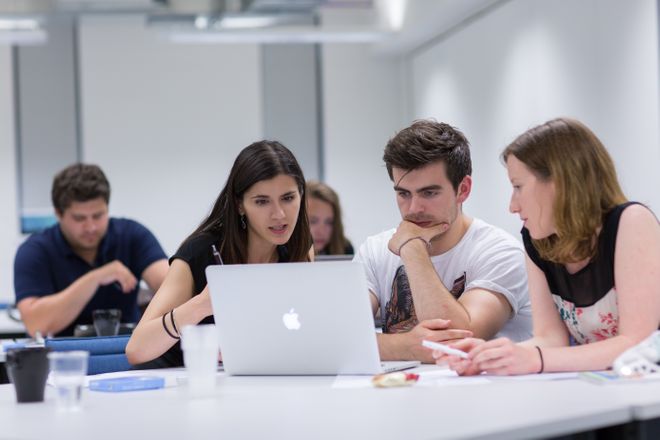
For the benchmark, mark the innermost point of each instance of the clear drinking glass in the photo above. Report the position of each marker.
(106, 321)
(200, 356)
(68, 370)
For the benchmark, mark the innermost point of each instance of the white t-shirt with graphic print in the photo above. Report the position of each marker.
(485, 258)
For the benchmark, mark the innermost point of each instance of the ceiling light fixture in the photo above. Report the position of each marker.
(279, 36)
(260, 22)
(21, 22)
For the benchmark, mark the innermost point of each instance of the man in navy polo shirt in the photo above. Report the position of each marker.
(87, 261)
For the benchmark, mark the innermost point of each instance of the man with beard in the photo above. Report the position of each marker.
(441, 275)
(87, 261)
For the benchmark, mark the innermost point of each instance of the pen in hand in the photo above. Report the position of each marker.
(445, 349)
(216, 255)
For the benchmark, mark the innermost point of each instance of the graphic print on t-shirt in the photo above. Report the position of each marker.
(459, 286)
(400, 313)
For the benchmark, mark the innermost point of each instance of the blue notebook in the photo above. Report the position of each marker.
(128, 383)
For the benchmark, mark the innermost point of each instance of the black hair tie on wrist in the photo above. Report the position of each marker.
(540, 356)
(167, 330)
(176, 330)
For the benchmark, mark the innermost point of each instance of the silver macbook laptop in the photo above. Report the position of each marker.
(295, 319)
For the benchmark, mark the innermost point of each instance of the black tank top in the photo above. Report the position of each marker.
(198, 254)
(587, 286)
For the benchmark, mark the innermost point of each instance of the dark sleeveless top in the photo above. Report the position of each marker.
(198, 254)
(586, 300)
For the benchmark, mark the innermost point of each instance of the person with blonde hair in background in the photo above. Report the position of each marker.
(593, 258)
(324, 213)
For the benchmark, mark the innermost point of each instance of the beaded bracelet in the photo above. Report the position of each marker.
(428, 244)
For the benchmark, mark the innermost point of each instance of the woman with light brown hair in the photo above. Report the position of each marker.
(325, 222)
(593, 258)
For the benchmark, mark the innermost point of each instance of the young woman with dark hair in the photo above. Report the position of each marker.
(259, 217)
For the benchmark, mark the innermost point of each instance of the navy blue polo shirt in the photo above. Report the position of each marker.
(46, 264)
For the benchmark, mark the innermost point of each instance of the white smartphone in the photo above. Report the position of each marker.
(444, 348)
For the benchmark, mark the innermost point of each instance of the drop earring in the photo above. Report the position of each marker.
(243, 225)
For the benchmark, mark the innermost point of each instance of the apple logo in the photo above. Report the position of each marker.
(290, 320)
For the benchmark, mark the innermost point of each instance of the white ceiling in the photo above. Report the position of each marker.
(424, 20)
(408, 24)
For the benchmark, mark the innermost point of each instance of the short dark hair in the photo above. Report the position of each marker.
(425, 142)
(79, 183)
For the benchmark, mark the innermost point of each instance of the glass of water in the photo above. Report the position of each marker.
(200, 356)
(106, 321)
(68, 369)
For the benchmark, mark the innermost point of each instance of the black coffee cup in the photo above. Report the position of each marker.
(27, 369)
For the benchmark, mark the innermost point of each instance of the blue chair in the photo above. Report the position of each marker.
(106, 353)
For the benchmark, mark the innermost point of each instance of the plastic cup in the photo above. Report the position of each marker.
(106, 321)
(68, 370)
(200, 356)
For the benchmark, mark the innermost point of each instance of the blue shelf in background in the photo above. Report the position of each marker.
(36, 223)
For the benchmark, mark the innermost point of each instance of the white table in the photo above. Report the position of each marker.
(643, 398)
(309, 407)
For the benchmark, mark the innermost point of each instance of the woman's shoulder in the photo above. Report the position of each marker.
(635, 211)
(627, 226)
(629, 215)
(195, 245)
(637, 218)
(201, 238)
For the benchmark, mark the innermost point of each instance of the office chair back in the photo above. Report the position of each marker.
(106, 353)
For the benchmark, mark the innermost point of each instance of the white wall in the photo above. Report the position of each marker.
(47, 113)
(182, 113)
(290, 101)
(528, 61)
(9, 232)
(363, 106)
(165, 121)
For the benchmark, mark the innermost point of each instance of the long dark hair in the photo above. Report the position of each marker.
(259, 161)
